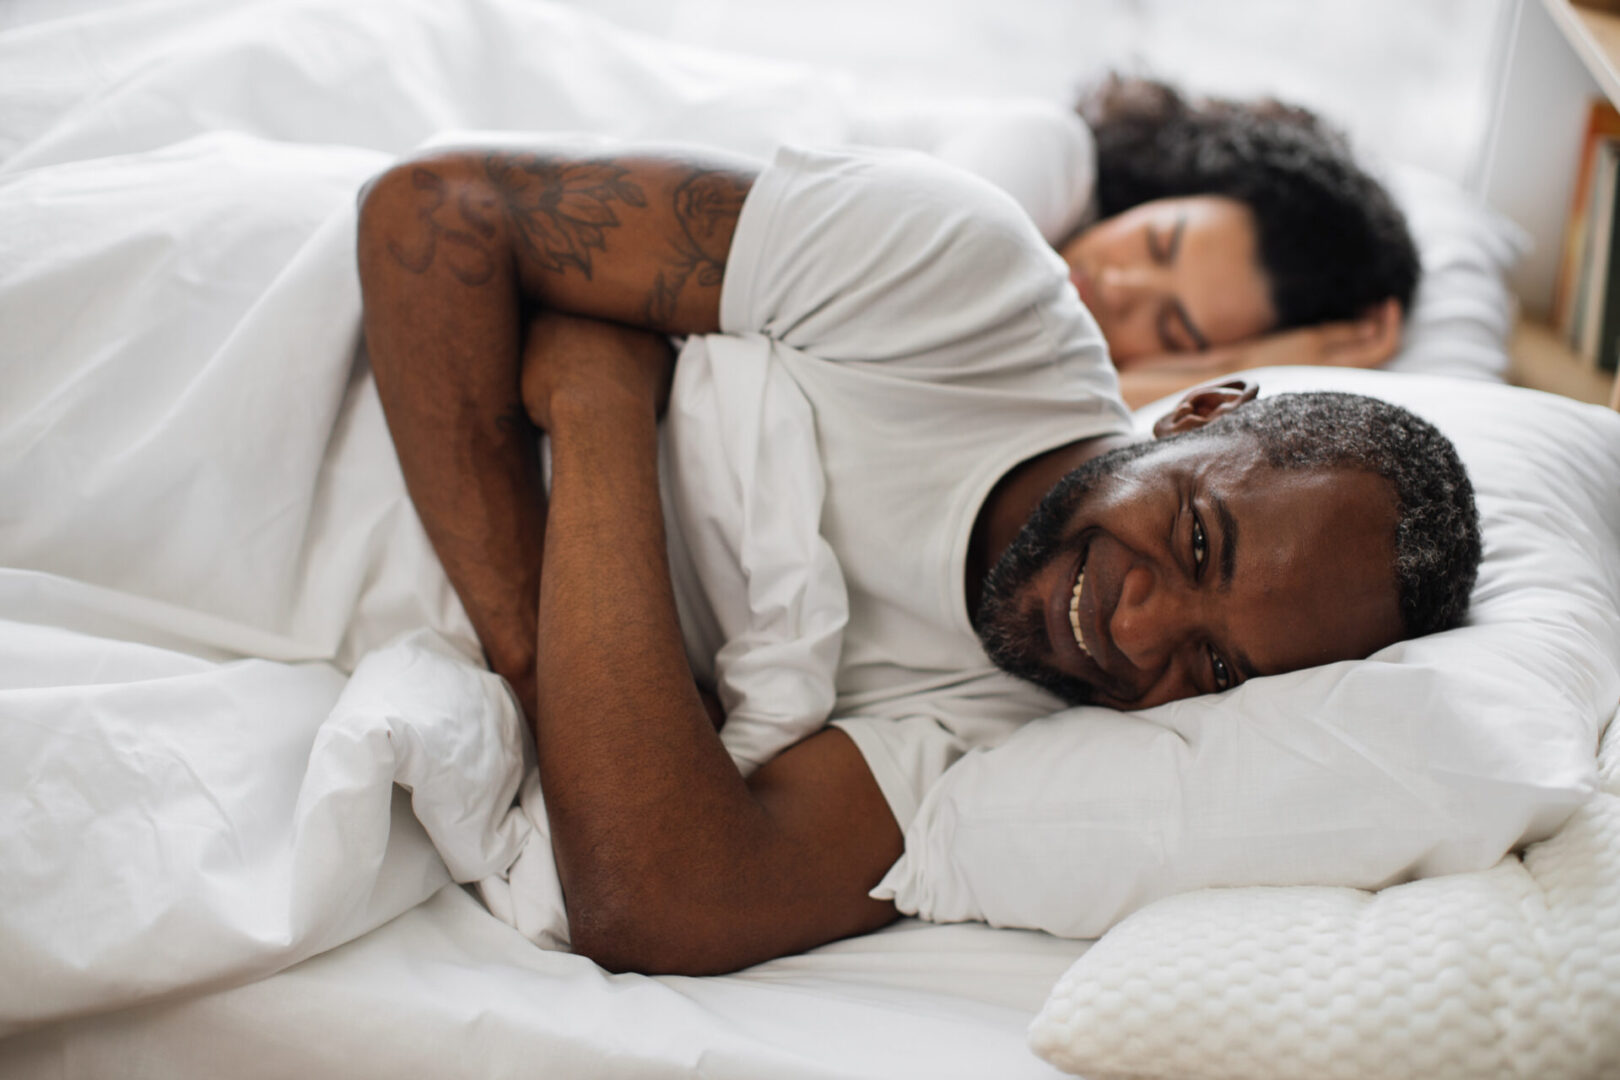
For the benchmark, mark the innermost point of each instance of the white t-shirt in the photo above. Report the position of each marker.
(938, 341)
(1039, 152)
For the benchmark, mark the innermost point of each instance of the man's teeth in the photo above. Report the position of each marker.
(1074, 613)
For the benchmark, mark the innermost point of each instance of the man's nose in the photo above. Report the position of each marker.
(1152, 619)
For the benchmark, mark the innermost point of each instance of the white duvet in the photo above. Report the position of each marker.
(239, 496)
(205, 528)
(204, 531)
(207, 532)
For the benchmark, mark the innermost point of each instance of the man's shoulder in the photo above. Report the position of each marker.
(918, 187)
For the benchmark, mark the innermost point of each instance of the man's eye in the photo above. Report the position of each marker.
(1199, 545)
(1217, 667)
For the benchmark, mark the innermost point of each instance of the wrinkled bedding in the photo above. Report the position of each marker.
(231, 639)
(246, 728)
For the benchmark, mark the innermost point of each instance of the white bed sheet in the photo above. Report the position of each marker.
(444, 988)
(447, 990)
(205, 533)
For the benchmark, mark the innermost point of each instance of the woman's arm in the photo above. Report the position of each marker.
(1366, 342)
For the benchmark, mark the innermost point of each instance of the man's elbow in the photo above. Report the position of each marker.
(646, 940)
(384, 203)
(407, 197)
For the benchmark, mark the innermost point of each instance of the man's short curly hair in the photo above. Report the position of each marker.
(1437, 542)
(1332, 241)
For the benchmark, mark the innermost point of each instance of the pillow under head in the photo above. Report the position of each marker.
(1434, 755)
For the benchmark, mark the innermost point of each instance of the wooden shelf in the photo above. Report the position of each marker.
(1561, 53)
(1542, 361)
(1595, 38)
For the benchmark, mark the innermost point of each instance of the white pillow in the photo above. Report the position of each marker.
(1435, 755)
(1507, 972)
(1463, 312)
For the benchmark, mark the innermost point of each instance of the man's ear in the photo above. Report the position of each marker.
(1204, 403)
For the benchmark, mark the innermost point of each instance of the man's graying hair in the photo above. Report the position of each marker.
(1437, 544)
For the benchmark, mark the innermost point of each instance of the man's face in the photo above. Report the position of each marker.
(1186, 567)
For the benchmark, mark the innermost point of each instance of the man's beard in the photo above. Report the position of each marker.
(1013, 632)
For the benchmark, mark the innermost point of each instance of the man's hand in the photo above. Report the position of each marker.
(568, 355)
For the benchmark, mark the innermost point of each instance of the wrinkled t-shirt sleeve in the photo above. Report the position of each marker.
(884, 256)
(1039, 152)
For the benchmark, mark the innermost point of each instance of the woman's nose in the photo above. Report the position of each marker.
(1124, 286)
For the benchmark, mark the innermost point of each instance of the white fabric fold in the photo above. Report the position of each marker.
(746, 489)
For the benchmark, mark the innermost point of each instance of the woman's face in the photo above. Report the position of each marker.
(1173, 275)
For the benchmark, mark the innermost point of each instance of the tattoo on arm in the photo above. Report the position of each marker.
(559, 213)
(468, 254)
(707, 204)
(559, 210)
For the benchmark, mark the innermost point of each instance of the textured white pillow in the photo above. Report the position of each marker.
(1463, 312)
(1507, 972)
(1434, 756)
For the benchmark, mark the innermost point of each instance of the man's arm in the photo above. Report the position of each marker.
(669, 860)
(453, 248)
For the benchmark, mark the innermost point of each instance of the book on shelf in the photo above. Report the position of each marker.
(1600, 343)
(1586, 298)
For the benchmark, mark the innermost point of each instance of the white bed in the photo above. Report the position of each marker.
(169, 173)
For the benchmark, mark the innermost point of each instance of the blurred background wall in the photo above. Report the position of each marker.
(1407, 78)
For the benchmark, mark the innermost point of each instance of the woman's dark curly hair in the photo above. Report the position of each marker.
(1331, 239)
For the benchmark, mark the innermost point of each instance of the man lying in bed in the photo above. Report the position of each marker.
(980, 481)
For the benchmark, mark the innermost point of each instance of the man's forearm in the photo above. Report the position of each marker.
(623, 739)
(452, 247)
(669, 860)
(443, 329)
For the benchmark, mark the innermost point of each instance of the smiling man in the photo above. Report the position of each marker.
(1296, 531)
(980, 479)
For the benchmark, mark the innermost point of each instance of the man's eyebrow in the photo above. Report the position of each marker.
(1229, 539)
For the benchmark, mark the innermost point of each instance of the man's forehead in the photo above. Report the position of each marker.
(1227, 449)
(1234, 462)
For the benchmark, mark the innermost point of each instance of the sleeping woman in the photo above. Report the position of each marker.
(1207, 236)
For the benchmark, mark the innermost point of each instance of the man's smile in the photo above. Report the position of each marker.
(1074, 609)
(1071, 626)
(1078, 610)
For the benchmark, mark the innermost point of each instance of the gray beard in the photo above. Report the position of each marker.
(1013, 629)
